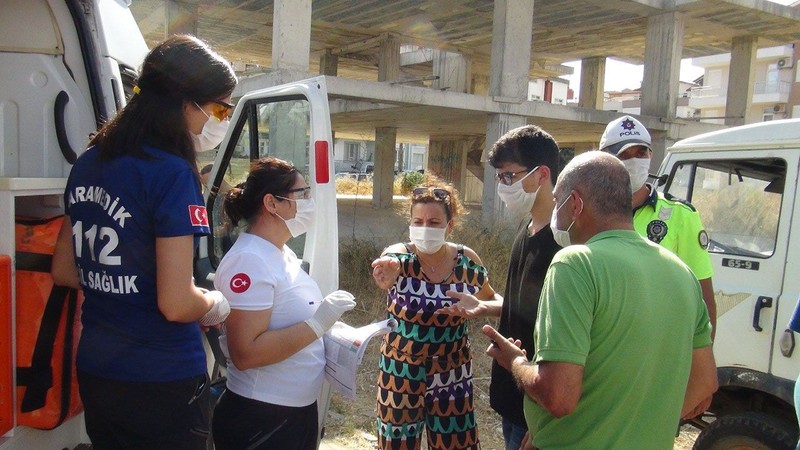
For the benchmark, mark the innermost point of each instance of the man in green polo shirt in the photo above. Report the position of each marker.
(621, 355)
(671, 222)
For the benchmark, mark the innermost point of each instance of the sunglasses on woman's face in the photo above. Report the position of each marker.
(221, 110)
(438, 193)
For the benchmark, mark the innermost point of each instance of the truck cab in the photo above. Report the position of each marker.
(743, 182)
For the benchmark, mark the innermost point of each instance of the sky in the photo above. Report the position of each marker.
(621, 75)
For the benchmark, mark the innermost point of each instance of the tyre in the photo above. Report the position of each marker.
(750, 430)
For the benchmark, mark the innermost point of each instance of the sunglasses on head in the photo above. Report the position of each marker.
(221, 110)
(438, 193)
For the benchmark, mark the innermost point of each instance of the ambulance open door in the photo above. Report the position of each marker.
(290, 122)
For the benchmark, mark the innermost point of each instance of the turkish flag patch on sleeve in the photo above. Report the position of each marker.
(198, 216)
(240, 282)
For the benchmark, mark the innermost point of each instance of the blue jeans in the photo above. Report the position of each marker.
(513, 434)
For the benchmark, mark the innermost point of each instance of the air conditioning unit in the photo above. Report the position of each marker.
(785, 63)
(779, 108)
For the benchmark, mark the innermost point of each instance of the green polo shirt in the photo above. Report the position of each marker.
(675, 225)
(633, 333)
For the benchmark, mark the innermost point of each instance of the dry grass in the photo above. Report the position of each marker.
(351, 186)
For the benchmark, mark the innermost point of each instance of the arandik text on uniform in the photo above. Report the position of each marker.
(97, 194)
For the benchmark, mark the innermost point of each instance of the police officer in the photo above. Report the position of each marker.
(671, 222)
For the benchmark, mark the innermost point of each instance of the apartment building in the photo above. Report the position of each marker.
(775, 86)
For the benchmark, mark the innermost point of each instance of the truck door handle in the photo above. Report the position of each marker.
(61, 130)
(761, 302)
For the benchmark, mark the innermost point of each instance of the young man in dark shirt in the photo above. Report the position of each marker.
(526, 160)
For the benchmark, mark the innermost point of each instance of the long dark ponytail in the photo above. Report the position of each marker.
(182, 68)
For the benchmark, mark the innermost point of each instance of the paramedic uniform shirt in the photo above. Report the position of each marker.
(255, 276)
(675, 225)
(118, 207)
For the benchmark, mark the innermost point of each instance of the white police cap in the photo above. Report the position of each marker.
(623, 133)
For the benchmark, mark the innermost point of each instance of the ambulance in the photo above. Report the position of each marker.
(66, 66)
(743, 182)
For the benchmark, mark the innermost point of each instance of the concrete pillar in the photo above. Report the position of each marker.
(741, 77)
(291, 35)
(593, 79)
(453, 70)
(447, 158)
(181, 18)
(328, 63)
(659, 143)
(662, 64)
(793, 106)
(479, 84)
(496, 127)
(401, 154)
(389, 59)
(512, 25)
(383, 178)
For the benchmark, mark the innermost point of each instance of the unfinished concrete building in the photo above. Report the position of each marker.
(454, 74)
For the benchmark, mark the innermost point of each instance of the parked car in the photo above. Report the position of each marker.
(360, 171)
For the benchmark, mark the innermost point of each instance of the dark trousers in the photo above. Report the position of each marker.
(122, 415)
(241, 423)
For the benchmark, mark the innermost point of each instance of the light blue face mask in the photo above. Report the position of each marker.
(562, 236)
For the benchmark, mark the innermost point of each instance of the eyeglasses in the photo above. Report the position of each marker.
(507, 178)
(300, 193)
(438, 193)
(221, 110)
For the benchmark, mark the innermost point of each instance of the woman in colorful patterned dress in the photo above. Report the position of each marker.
(425, 379)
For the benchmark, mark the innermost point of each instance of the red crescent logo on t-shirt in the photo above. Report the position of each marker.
(240, 283)
(198, 216)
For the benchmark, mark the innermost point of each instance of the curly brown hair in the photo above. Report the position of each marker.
(429, 191)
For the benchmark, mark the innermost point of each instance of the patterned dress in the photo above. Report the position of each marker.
(425, 378)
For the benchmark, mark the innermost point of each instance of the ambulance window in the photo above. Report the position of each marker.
(739, 202)
(279, 129)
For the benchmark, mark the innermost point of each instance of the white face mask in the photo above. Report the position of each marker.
(305, 217)
(561, 236)
(638, 169)
(514, 196)
(427, 240)
(213, 132)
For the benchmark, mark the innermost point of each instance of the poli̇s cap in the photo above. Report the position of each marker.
(623, 133)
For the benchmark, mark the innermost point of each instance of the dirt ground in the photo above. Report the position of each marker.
(351, 424)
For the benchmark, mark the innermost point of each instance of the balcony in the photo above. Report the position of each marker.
(771, 92)
(763, 92)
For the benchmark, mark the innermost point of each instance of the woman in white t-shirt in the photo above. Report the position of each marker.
(273, 335)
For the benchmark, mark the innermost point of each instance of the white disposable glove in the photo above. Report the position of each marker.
(219, 309)
(330, 310)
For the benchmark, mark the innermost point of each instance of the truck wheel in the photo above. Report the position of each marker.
(750, 430)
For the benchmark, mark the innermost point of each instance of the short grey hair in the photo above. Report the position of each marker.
(601, 180)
